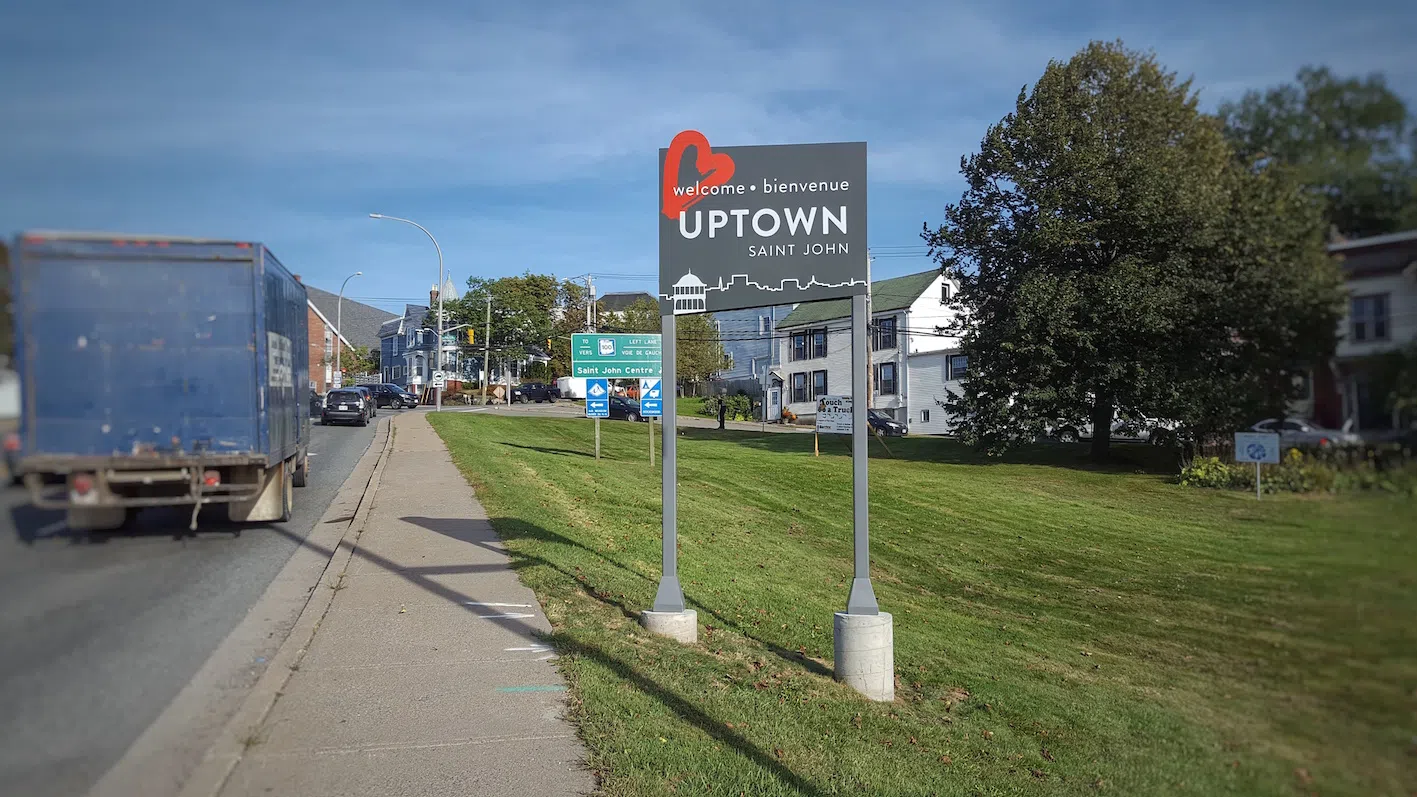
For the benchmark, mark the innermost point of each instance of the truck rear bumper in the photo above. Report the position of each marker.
(104, 482)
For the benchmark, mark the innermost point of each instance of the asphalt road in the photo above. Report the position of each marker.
(98, 633)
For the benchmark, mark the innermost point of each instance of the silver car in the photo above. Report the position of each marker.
(1301, 432)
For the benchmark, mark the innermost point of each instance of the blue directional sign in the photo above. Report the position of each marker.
(651, 398)
(597, 398)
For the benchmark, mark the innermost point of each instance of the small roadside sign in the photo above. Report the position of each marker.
(1257, 447)
(440, 379)
(651, 398)
(834, 415)
(597, 398)
(336, 380)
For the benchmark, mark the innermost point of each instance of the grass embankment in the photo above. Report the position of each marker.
(687, 405)
(1058, 630)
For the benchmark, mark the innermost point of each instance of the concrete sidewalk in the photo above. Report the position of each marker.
(424, 676)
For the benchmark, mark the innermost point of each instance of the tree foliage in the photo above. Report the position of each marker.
(1114, 258)
(1349, 139)
(699, 350)
(526, 312)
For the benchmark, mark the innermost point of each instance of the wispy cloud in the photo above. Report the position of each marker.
(527, 135)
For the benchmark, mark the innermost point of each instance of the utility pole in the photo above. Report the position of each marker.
(487, 350)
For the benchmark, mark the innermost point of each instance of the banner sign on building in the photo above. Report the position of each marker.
(755, 226)
(607, 356)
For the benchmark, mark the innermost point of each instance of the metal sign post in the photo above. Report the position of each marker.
(597, 406)
(862, 599)
(670, 617)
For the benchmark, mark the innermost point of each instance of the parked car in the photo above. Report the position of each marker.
(393, 396)
(882, 423)
(624, 409)
(535, 391)
(1301, 432)
(346, 405)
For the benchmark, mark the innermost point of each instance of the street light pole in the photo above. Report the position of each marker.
(438, 351)
(339, 321)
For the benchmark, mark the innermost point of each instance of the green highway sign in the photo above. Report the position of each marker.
(605, 356)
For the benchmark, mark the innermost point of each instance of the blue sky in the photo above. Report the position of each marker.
(524, 135)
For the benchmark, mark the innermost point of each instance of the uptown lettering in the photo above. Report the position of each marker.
(765, 222)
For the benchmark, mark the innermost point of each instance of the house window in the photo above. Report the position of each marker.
(885, 334)
(799, 346)
(799, 387)
(764, 324)
(1370, 318)
(819, 384)
(819, 342)
(944, 293)
(329, 344)
(885, 379)
(924, 416)
(959, 364)
(398, 372)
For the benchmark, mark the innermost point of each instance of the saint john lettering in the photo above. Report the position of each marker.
(748, 226)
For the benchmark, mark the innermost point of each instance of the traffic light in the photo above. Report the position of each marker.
(548, 344)
(471, 335)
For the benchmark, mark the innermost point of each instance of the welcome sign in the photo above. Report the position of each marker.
(754, 226)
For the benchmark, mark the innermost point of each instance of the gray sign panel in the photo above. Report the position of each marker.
(755, 226)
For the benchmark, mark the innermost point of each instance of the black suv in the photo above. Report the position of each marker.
(535, 391)
(346, 405)
(393, 396)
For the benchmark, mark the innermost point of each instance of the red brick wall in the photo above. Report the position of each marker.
(317, 349)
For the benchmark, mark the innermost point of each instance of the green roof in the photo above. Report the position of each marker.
(896, 293)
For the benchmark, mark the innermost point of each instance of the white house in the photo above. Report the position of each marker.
(911, 325)
(1380, 273)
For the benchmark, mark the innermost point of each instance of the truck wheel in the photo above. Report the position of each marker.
(302, 470)
(287, 497)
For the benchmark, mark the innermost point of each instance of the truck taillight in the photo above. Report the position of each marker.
(83, 484)
(211, 478)
(12, 442)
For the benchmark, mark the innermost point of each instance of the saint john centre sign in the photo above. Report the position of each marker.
(615, 356)
(755, 226)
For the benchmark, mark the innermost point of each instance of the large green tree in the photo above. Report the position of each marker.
(527, 311)
(698, 347)
(1115, 258)
(1350, 139)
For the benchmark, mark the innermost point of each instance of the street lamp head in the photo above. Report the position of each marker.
(359, 273)
(376, 215)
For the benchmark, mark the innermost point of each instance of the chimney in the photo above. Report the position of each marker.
(433, 297)
(296, 276)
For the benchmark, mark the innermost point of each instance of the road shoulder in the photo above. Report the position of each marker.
(159, 763)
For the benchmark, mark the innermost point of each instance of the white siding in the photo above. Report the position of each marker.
(1401, 290)
(929, 390)
(922, 317)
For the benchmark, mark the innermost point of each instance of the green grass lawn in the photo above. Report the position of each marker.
(687, 405)
(1058, 629)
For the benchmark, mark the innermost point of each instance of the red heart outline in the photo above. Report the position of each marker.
(716, 168)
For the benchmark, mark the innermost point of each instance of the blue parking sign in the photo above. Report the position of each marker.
(651, 398)
(597, 398)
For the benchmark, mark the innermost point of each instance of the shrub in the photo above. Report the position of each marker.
(1315, 470)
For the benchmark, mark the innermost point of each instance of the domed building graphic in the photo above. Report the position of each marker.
(690, 295)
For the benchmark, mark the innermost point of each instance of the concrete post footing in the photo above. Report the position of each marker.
(679, 626)
(864, 645)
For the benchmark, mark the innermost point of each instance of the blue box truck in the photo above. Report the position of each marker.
(158, 371)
